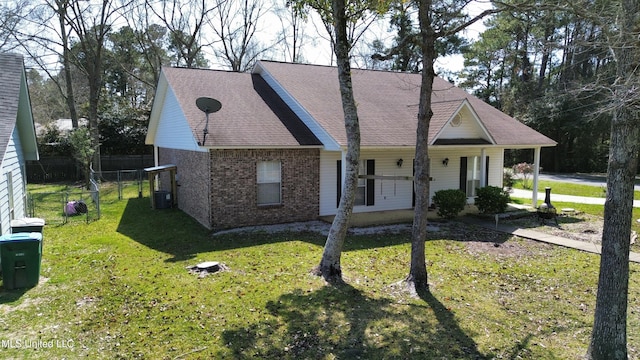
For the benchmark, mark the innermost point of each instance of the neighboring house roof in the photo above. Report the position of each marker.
(15, 106)
(64, 125)
(388, 105)
(252, 116)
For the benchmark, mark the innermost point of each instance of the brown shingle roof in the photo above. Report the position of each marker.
(251, 115)
(388, 104)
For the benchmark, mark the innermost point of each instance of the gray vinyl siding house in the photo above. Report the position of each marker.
(17, 139)
(275, 151)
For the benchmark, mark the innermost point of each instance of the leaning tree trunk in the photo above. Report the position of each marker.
(417, 278)
(66, 54)
(330, 264)
(609, 336)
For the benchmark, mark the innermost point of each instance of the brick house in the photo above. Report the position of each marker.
(274, 152)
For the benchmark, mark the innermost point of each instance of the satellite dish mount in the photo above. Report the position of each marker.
(208, 106)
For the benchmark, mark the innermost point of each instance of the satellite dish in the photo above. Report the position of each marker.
(208, 105)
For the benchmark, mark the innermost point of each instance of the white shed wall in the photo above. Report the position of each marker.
(12, 162)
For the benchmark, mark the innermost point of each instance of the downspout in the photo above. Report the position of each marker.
(536, 173)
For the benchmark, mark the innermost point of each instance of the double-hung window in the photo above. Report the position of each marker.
(361, 191)
(473, 175)
(269, 182)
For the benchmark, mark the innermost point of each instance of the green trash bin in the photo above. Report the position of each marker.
(27, 225)
(20, 257)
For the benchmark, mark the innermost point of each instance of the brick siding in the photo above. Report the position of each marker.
(192, 178)
(234, 187)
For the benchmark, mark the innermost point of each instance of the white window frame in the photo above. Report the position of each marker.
(473, 175)
(361, 189)
(268, 174)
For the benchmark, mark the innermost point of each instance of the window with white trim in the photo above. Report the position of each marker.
(269, 182)
(361, 190)
(473, 175)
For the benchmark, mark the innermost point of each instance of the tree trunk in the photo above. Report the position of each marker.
(609, 336)
(330, 264)
(69, 97)
(417, 278)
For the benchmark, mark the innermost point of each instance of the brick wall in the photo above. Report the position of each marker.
(234, 187)
(192, 177)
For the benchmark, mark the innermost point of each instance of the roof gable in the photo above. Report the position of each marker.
(388, 104)
(15, 106)
(462, 125)
(250, 117)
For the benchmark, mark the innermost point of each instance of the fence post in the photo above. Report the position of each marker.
(65, 201)
(139, 171)
(119, 177)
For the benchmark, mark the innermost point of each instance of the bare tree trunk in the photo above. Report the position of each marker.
(609, 336)
(61, 9)
(417, 278)
(330, 264)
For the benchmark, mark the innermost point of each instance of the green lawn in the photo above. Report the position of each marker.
(118, 288)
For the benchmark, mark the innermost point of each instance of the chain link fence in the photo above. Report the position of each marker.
(70, 204)
(57, 206)
(128, 181)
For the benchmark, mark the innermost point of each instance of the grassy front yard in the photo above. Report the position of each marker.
(119, 288)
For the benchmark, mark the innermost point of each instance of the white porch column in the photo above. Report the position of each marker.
(155, 155)
(156, 162)
(483, 167)
(536, 173)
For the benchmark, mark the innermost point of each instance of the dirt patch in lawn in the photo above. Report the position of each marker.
(478, 240)
(576, 226)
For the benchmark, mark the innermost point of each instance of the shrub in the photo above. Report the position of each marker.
(525, 169)
(449, 202)
(492, 200)
(507, 178)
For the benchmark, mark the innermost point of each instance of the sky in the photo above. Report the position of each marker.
(320, 53)
(318, 49)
